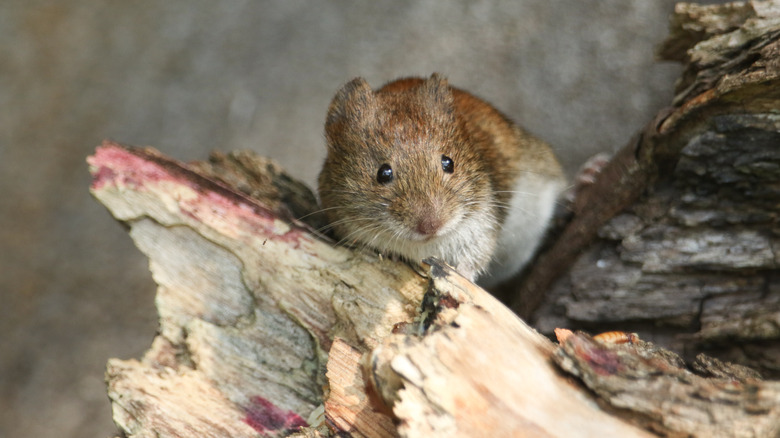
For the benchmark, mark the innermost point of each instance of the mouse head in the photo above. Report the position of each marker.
(400, 169)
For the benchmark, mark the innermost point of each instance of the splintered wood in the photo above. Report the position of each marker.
(257, 315)
(663, 395)
(481, 371)
(249, 304)
(254, 327)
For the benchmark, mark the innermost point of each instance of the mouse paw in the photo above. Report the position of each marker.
(588, 174)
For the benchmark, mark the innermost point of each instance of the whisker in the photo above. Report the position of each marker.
(318, 211)
(343, 221)
(358, 232)
(348, 192)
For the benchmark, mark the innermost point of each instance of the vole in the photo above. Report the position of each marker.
(418, 168)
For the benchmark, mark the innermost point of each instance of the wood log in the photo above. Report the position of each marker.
(249, 303)
(268, 329)
(679, 237)
(257, 314)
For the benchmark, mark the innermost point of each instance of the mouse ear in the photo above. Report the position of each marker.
(437, 94)
(437, 81)
(353, 102)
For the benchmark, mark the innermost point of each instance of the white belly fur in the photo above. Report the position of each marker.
(530, 210)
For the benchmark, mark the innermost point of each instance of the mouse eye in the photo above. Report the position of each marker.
(447, 164)
(385, 174)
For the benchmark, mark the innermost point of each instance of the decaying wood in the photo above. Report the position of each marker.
(679, 237)
(481, 371)
(249, 304)
(268, 329)
(257, 315)
(655, 389)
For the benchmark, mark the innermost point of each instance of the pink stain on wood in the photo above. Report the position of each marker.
(600, 359)
(138, 169)
(264, 417)
(115, 165)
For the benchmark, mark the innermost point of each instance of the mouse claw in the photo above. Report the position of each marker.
(420, 269)
(587, 174)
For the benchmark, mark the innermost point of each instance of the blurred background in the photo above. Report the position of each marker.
(191, 76)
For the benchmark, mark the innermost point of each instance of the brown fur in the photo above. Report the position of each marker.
(409, 124)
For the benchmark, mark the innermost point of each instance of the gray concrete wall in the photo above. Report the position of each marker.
(191, 76)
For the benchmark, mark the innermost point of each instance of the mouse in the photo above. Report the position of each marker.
(418, 168)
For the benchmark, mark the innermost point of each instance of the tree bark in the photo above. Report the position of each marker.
(679, 237)
(268, 329)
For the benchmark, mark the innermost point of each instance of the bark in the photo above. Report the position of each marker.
(269, 329)
(679, 237)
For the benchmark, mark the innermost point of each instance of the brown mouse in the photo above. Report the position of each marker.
(418, 168)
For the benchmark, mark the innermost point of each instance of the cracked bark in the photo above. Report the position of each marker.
(679, 237)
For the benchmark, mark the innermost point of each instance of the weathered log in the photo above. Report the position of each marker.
(654, 388)
(257, 315)
(249, 303)
(679, 238)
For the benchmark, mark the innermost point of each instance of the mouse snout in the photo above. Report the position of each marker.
(428, 225)
(429, 219)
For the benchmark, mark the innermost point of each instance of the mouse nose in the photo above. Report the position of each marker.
(429, 219)
(428, 225)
